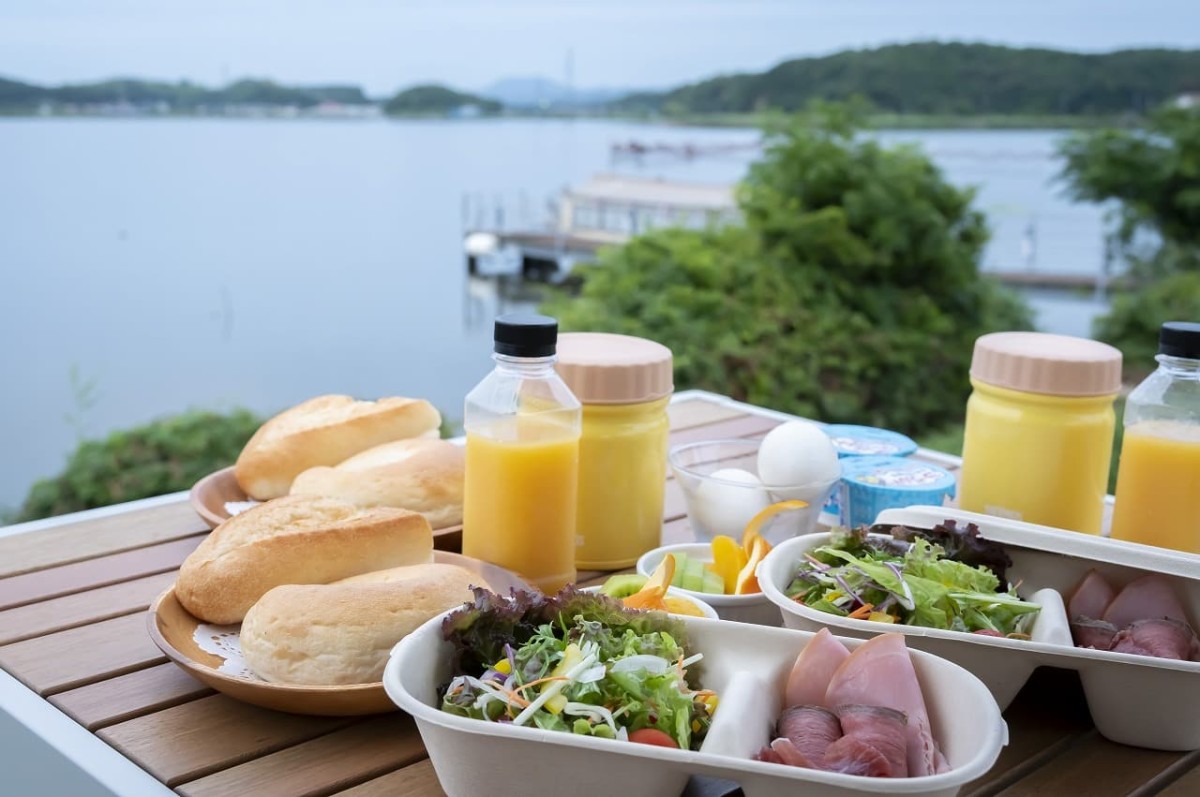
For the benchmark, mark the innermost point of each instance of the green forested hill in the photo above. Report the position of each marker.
(936, 78)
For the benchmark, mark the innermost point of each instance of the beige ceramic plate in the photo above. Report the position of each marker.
(210, 494)
(172, 628)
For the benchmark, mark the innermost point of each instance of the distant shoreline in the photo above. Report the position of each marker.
(881, 121)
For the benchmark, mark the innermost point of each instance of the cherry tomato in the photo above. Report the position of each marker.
(652, 736)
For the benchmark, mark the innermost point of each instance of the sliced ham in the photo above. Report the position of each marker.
(1089, 633)
(1163, 638)
(880, 673)
(811, 729)
(874, 743)
(1091, 597)
(788, 753)
(1149, 598)
(815, 665)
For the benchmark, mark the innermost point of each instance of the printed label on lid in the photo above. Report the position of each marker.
(902, 477)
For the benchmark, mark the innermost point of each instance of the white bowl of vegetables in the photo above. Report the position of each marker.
(695, 578)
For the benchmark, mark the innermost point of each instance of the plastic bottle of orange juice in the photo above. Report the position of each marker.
(1158, 483)
(523, 426)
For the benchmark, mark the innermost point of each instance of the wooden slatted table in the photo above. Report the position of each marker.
(83, 687)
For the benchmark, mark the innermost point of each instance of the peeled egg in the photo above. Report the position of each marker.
(797, 454)
(723, 508)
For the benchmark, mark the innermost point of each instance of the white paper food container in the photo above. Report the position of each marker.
(1135, 700)
(747, 665)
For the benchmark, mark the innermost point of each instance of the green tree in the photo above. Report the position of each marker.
(851, 291)
(1152, 176)
(163, 456)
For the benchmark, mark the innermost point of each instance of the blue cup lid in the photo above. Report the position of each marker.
(897, 474)
(868, 441)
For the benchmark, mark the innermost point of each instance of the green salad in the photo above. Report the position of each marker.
(576, 662)
(948, 578)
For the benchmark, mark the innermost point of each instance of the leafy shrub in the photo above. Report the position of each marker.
(851, 292)
(1133, 323)
(163, 456)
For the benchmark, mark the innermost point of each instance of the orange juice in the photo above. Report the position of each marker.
(1158, 486)
(519, 498)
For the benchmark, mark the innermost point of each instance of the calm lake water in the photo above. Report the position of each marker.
(214, 263)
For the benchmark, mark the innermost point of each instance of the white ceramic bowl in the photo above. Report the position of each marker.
(718, 505)
(684, 594)
(755, 608)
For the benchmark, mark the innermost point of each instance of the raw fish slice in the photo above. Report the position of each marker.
(874, 743)
(1091, 597)
(1149, 598)
(811, 729)
(1089, 633)
(815, 665)
(1164, 639)
(789, 754)
(769, 755)
(880, 673)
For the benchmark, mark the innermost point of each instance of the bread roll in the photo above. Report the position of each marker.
(425, 476)
(324, 431)
(342, 633)
(295, 540)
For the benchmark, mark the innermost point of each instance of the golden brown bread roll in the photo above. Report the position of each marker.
(295, 540)
(324, 431)
(342, 633)
(425, 476)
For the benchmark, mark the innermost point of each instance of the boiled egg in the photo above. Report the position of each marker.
(726, 501)
(797, 455)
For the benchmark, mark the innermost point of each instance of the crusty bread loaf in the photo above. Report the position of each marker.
(342, 633)
(324, 431)
(425, 476)
(295, 540)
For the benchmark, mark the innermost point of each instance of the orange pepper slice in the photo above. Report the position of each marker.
(650, 596)
(754, 527)
(747, 581)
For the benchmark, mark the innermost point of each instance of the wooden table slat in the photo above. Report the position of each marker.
(1108, 769)
(127, 696)
(415, 780)
(322, 766)
(1043, 735)
(79, 656)
(741, 426)
(55, 582)
(209, 735)
(57, 614)
(87, 539)
(699, 412)
(1188, 784)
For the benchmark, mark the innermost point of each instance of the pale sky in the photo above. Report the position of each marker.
(384, 45)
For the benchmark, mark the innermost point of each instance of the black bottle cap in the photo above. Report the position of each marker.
(1180, 339)
(526, 335)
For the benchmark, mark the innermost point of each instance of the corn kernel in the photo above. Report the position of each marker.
(711, 701)
(503, 666)
(695, 726)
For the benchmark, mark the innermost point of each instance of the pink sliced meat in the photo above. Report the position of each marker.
(815, 665)
(1162, 638)
(811, 729)
(874, 744)
(1089, 633)
(788, 753)
(880, 673)
(1149, 598)
(1091, 597)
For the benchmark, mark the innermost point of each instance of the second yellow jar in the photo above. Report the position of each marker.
(1038, 440)
(624, 384)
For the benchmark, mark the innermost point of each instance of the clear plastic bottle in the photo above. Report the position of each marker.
(1158, 481)
(523, 426)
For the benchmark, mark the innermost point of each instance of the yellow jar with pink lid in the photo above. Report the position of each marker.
(1039, 433)
(624, 384)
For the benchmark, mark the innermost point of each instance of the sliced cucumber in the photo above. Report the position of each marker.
(681, 565)
(713, 583)
(624, 585)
